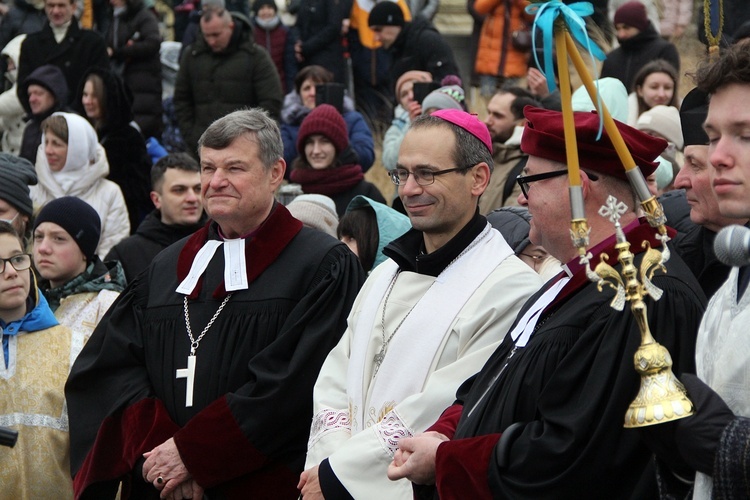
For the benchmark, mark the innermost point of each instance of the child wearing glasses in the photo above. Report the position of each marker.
(37, 354)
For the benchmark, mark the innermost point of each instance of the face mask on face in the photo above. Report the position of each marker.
(268, 24)
(10, 221)
(11, 75)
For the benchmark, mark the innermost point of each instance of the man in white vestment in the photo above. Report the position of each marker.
(425, 320)
(716, 440)
(723, 347)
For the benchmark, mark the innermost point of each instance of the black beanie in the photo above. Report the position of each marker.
(693, 112)
(78, 218)
(16, 175)
(260, 3)
(386, 14)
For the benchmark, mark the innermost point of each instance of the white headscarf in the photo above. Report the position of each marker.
(82, 142)
(85, 162)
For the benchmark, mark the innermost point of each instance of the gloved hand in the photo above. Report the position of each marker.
(349, 156)
(697, 437)
(660, 439)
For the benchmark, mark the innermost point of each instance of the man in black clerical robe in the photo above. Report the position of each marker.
(544, 417)
(230, 418)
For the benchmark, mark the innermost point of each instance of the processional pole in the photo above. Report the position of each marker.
(661, 397)
(713, 25)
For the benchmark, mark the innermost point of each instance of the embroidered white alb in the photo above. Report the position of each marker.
(390, 430)
(326, 421)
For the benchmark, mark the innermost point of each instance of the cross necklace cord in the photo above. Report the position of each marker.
(189, 372)
(380, 356)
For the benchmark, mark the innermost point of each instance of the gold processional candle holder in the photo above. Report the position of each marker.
(661, 397)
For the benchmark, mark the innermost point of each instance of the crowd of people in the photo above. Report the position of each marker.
(444, 342)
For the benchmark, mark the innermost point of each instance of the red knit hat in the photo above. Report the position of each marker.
(632, 14)
(324, 120)
(544, 137)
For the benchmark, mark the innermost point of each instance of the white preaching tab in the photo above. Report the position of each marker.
(527, 324)
(189, 374)
(235, 267)
(202, 258)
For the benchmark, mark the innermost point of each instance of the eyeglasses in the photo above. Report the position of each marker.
(525, 180)
(422, 176)
(19, 262)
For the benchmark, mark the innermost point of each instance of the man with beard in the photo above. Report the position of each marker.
(505, 121)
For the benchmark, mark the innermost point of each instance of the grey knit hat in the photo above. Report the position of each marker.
(316, 211)
(16, 175)
(447, 97)
(513, 224)
(78, 218)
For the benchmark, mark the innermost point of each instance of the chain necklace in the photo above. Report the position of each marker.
(380, 356)
(189, 372)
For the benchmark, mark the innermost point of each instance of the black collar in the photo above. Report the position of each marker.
(408, 250)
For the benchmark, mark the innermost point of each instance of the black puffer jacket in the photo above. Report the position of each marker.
(210, 85)
(129, 163)
(135, 53)
(634, 53)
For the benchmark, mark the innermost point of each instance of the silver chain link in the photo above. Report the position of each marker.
(194, 343)
(380, 356)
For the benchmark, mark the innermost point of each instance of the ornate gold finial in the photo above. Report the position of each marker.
(661, 397)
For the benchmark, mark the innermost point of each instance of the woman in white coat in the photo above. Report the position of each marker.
(71, 162)
(12, 123)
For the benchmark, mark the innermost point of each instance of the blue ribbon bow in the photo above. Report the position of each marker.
(545, 15)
